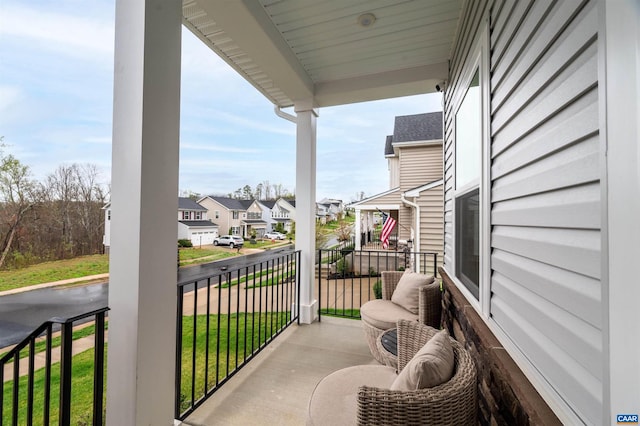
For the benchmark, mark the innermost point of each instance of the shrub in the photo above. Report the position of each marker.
(341, 266)
(377, 289)
(185, 243)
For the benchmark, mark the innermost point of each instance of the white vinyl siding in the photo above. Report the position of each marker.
(545, 192)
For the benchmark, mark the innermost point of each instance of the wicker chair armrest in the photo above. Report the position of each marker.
(411, 337)
(451, 403)
(389, 282)
(430, 304)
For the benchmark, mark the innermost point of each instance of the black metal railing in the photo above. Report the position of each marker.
(44, 393)
(225, 320)
(349, 278)
(370, 240)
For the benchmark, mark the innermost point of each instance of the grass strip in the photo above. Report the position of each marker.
(259, 328)
(270, 281)
(81, 393)
(54, 271)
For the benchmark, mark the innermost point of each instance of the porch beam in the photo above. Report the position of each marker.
(142, 282)
(306, 206)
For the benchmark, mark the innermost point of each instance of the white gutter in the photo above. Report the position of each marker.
(280, 113)
(416, 241)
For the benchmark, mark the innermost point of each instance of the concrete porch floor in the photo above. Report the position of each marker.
(275, 387)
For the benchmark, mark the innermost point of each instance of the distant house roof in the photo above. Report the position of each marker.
(418, 127)
(388, 146)
(198, 223)
(268, 203)
(232, 203)
(291, 201)
(415, 192)
(188, 204)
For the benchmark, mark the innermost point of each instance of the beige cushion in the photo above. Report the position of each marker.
(383, 314)
(335, 399)
(406, 292)
(431, 366)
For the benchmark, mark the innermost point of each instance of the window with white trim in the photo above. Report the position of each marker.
(468, 162)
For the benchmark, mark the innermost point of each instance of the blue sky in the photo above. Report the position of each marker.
(56, 91)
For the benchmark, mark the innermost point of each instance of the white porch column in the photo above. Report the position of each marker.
(358, 230)
(306, 206)
(620, 65)
(142, 283)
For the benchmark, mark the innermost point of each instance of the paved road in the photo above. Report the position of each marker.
(21, 313)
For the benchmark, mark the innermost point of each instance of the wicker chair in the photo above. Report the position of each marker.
(360, 395)
(429, 310)
(451, 403)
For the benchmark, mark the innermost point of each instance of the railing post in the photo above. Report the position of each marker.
(298, 254)
(319, 285)
(65, 373)
(98, 372)
(16, 387)
(178, 392)
(31, 371)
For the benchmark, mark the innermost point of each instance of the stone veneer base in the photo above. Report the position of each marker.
(505, 395)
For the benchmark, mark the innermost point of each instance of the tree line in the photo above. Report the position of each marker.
(58, 218)
(263, 191)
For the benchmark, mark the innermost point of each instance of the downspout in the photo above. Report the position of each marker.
(280, 113)
(416, 242)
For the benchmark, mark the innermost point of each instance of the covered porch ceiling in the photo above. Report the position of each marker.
(296, 50)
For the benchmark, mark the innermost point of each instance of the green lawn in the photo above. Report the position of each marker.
(99, 264)
(253, 280)
(54, 271)
(194, 256)
(343, 313)
(253, 331)
(258, 328)
(81, 393)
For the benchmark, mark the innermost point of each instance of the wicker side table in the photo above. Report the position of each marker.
(387, 344)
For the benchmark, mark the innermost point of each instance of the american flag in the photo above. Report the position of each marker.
(387, 228)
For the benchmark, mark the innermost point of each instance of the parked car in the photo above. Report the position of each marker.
(228, 240)
(274, 236)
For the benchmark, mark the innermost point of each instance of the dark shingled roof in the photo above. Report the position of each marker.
(268, 203)
(418, 127)
(232, 203)
(188, 204)
(197, 223)
(388, 146)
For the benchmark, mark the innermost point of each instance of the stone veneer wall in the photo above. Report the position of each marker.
(505, 395)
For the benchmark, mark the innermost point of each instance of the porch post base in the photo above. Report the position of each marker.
(308, 312)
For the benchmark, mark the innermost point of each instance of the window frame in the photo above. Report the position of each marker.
(479, 60)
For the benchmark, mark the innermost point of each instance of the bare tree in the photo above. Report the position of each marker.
(258, 192)
(277, 190)
(18, 194)
(267, 190)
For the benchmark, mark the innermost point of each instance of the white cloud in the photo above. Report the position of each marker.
(218, 148)
(80, 36)
(98, 140)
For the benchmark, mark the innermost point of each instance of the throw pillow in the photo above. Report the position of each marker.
(406, 292)
(431, 366)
